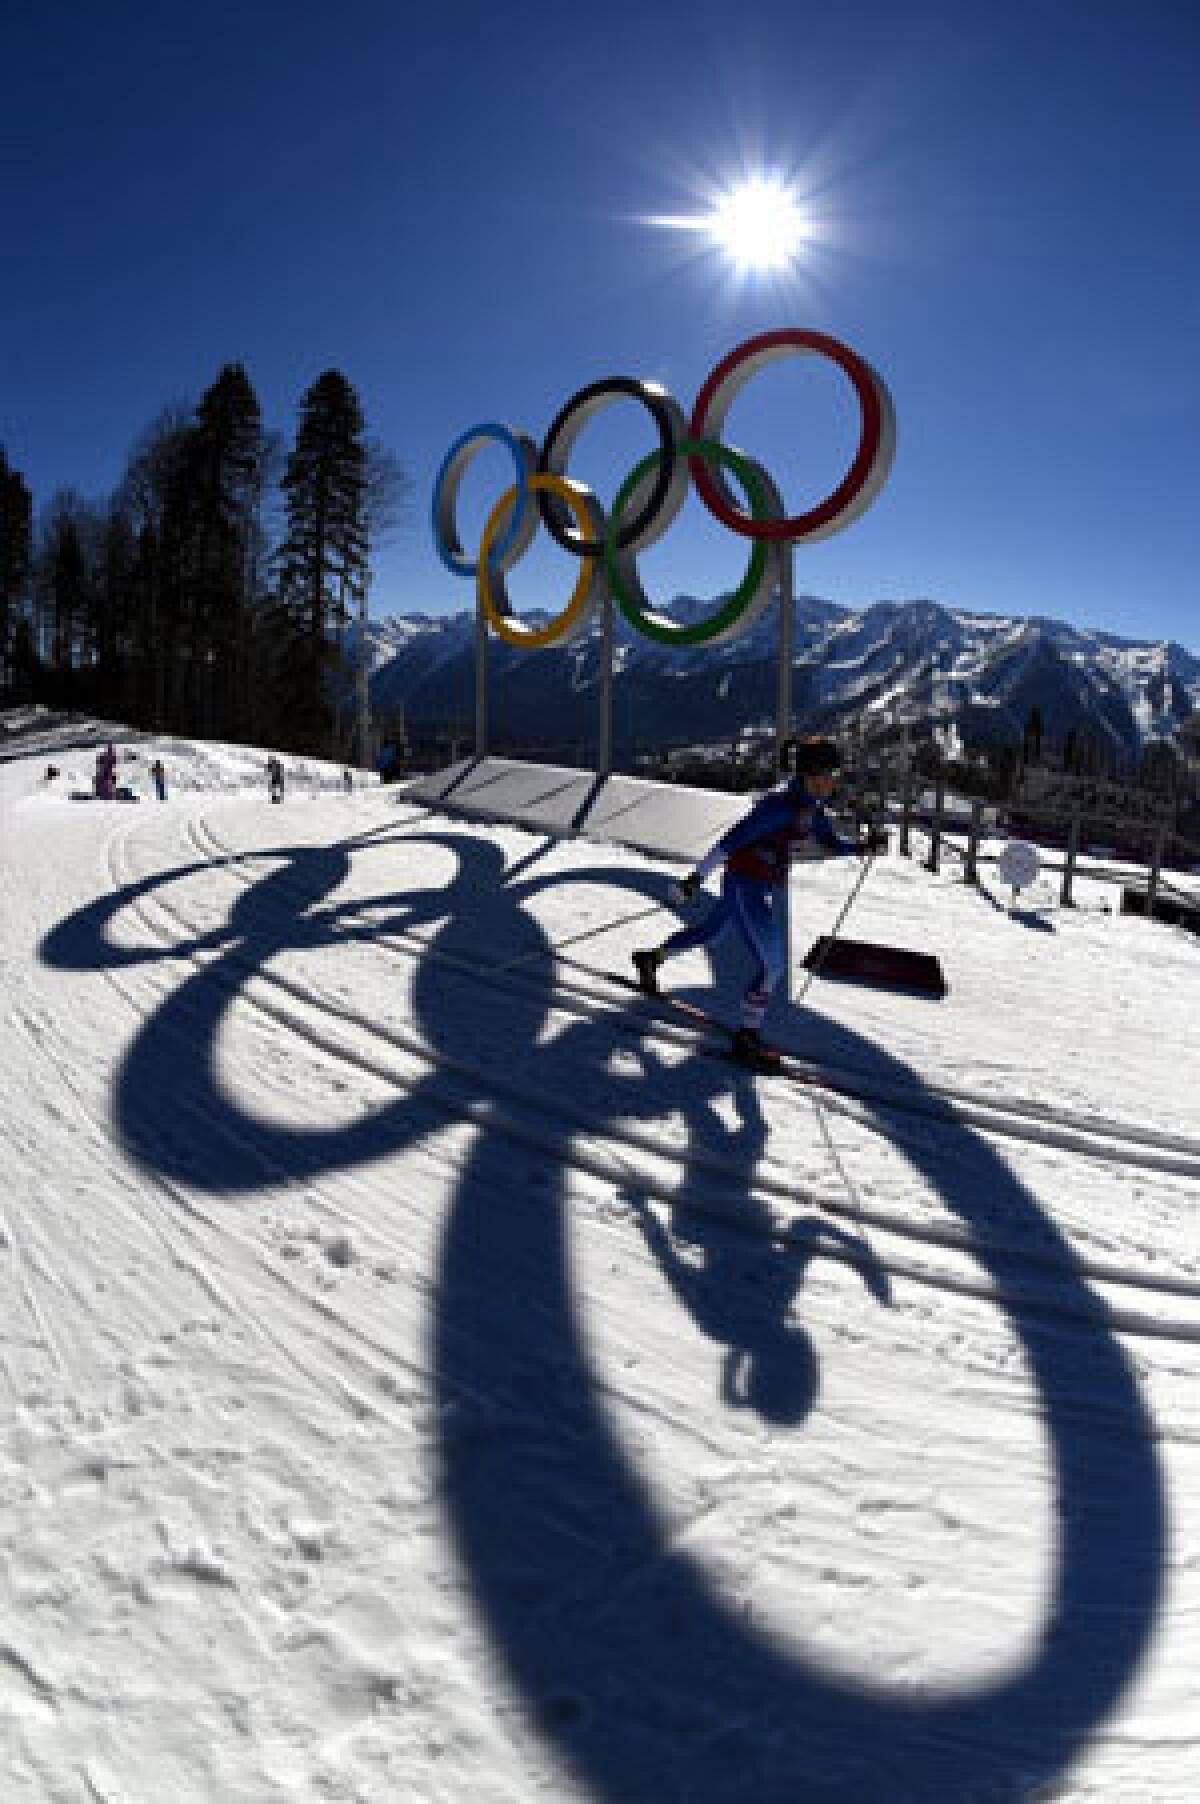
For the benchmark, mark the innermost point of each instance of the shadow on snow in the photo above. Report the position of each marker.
(647, 1680)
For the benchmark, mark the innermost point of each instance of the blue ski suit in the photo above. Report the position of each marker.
(757, 853)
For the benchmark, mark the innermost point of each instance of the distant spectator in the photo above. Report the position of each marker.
(158, 772)
(347, 779)
(275, 778)
(106, 773)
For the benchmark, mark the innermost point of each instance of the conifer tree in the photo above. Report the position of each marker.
(154, 494)
(323, 559)
(16, 549)
(1189, 734)
(228, 455)
(115, 594)
(1033, 736)
(64, 591)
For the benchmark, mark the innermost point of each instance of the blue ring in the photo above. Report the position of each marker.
(460, 454)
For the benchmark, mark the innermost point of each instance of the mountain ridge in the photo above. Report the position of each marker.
(914, 662)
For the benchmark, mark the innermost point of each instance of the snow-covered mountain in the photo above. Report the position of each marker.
(913, 661)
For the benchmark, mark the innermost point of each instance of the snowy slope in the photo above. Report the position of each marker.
(427, 1381)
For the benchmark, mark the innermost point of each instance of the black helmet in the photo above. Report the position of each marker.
(810, 755)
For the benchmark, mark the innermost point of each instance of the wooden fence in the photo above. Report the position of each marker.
(878, 793)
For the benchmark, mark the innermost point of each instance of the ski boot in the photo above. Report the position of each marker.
(646, 965)
(751, 1050)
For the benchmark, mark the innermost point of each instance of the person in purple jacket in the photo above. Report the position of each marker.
(756, 853)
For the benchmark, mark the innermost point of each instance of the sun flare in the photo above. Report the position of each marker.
(759, 224)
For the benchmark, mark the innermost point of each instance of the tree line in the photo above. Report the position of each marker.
(210, 593)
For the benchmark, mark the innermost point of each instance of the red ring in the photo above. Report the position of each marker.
(794, 526)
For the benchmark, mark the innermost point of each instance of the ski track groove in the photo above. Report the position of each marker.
(331, 1386)
(311, 1015)
(588, 1002)
(33, 1305)
(195, 1265)
(1156, 1139)
(381, 1375)
(1095, 1137)
(1094, 1269)
(276, 1175)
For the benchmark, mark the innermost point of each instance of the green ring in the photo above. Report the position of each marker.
(656, 626)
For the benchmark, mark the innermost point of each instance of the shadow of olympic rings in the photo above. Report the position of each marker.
(648, 1682)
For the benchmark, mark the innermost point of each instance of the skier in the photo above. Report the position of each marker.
(158, 772)
(756, 853)
(275, 778)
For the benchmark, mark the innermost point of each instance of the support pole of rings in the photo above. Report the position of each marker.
(481, 680)
(604, 735)
(604, 745)
(785, 567)
(787, 645)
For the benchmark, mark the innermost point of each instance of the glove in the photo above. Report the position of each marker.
(875, 839)
(684, 891)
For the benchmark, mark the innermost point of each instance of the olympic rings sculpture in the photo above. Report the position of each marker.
(607, 544)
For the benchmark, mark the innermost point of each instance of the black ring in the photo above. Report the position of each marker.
(587, 402)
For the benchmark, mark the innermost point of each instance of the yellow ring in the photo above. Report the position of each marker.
(503, 624)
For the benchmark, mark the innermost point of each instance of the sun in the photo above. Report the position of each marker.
(759, 224)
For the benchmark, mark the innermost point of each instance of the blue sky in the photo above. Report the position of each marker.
(449, 205)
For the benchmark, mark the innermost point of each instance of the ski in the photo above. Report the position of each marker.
(674, 1005)
(774, 1064)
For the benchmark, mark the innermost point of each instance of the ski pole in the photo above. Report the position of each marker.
(847, 905)
(574, 939)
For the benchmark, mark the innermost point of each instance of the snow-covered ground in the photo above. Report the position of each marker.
(427, 1380)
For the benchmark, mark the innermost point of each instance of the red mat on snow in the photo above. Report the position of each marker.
(859, 961)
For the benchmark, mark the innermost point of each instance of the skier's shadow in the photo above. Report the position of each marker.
(738, 1274)
(648, 1681)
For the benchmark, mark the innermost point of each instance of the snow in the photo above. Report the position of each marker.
(427, 1381)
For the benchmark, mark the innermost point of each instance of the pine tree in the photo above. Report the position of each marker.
(1033, 736)
(16, 553)
(1189, 734)
(323, 559)
(1070, 754)
(64, 580)
(115, 595)
(228, 454)
(155, 496)
(1159, 767)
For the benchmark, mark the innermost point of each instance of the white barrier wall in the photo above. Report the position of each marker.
(667, 820)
